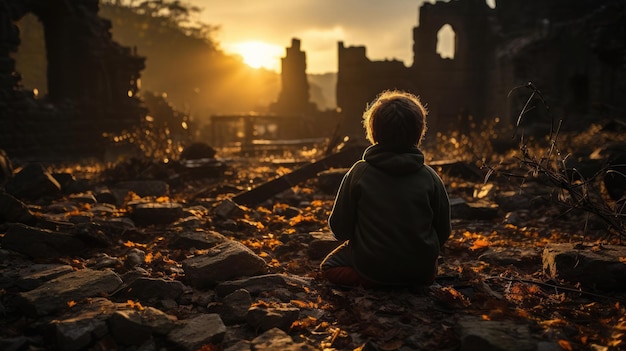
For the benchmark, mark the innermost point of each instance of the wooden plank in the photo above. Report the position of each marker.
(343, 158)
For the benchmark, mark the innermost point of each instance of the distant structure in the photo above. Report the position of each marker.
(92, 82)
(294, 98)
(568, 49)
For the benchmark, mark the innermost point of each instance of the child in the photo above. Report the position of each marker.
(391, 210)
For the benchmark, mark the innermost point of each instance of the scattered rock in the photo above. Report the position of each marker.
(37, 274)
(596, 266)
(479, 335)
(225, 261)
(322, 244)
(136, 326)
(197, 151)
(228, 208)
(276, 339)
(41, 243)
(154, 213)
(479, 210)
(258, 284)
(235, 307)
(78, 332)
(265, 318)
(152, 289)
(329, 180)
(143, 188)
(13, 210)
(200, 330)
(55, 294)
(505, 256)
(197, 239)
(78, 329)
(33, 182)
(459, 169)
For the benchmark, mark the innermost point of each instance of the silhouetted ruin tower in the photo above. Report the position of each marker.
(294, 95)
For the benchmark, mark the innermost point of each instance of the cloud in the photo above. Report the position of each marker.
(384, 27)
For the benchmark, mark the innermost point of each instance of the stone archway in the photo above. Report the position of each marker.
(92, 80)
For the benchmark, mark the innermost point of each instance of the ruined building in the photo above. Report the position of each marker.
(294, 98)
(573, 51)
(92, 82)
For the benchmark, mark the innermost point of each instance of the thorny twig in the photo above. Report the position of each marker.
(582, 194)
(553, 286)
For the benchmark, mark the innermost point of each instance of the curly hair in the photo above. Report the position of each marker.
(395, 118)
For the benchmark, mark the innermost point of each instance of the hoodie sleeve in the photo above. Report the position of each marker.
(441, 208)
(342, 220)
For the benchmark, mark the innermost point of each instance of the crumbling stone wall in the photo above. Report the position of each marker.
(92, 82)
(561, 46)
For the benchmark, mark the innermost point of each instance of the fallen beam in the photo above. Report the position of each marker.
(343, 158)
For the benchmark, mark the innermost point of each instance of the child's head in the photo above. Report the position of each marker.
(395, 118)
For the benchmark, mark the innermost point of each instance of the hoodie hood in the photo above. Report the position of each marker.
(394, 160)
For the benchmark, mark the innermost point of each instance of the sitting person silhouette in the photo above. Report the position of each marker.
(392, 211)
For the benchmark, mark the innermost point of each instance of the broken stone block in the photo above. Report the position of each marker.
(267, 282)
(228, 208)
(41, 243)
(37, 274)
(198, 151)
(56, 293)
(157, 213)
(235, 307)
(595, 266)
(461, 169)
(513, 200)
(136, 326)
(479, 335)
(265, 318)
(479, 210)
(200, 330)
(276, 339)
(151, 289)
(13, 210)
(145, 188)
(107, 197)
(32, 182)
(197, 239)
(77, 333)
(241, 345)
(322, 244)
(505, 256)
(329, 181)
(225, 261)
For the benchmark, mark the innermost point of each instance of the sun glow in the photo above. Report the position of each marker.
(258, 54)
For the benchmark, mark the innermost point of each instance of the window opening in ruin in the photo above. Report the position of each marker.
(30, 58)
(491, 3)
(446, 42)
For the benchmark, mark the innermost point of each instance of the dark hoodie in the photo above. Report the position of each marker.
(395, 212)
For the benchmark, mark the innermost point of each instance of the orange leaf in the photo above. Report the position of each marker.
(301, 303)
(480, 244)
(71, 303)
(622, 259)
(565, 345)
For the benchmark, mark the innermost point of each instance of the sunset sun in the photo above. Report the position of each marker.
(258, 54)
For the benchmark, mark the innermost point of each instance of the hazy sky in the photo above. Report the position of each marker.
(384, 27)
